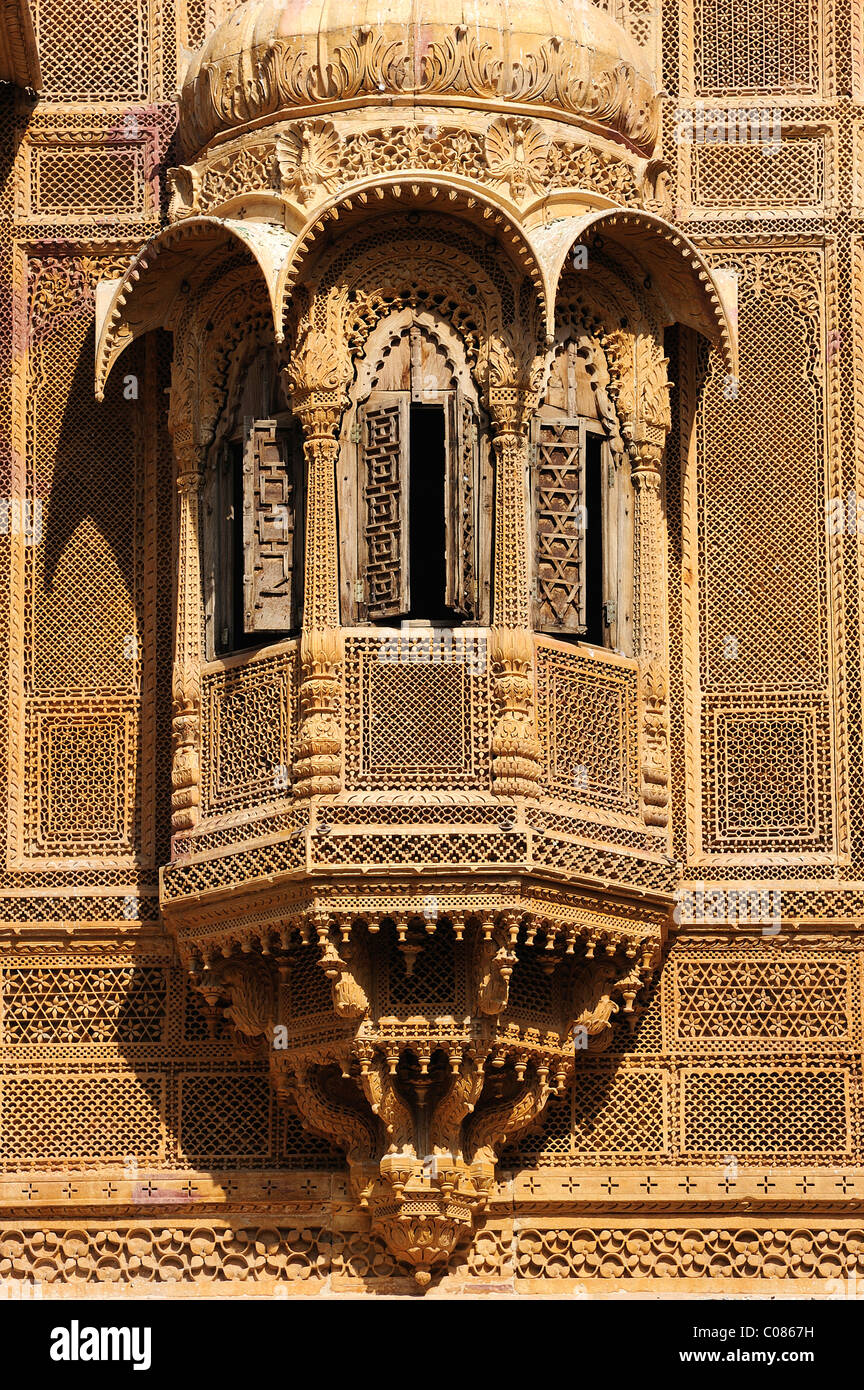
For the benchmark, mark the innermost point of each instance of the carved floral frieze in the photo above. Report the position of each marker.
(308, 160)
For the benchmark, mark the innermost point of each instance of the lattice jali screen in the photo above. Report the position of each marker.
(95, 55)
(196, 19)
(89, 1119)
(109, 1062)
(246, 734)
(745, 1055)
(83, 778)
(83, 600)
(770, 779)
(758, 1112)
(771, 704)
(226, 1119)
(431, 986)
(611, 1115)
(91, 180)
(793, 175)
(96, 1005)
(587, 715)
(749, 48)
(727, 1003)
(415, 723)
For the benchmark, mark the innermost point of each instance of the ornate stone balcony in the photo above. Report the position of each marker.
(418, 803)
(422, 959)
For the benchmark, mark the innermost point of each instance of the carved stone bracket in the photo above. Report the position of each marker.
(422, 1095)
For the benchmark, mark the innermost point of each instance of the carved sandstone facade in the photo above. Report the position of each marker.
(498, 913)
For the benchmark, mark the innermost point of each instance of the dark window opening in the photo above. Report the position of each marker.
(237, 637)
(595, 618)
(427, 515)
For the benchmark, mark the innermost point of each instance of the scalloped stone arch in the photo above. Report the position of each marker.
(168, 268)
(682, 284)
(461, 199)
(390, 331)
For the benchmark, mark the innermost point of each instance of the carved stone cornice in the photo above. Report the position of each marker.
(303, 163)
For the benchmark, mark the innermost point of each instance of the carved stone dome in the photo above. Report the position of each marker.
(563, 59)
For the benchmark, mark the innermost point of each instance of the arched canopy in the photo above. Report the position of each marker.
(177, 261)
(457, 196)
(680, 279)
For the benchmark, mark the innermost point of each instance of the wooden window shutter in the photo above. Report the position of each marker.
(270, 538)
(559, 524)
(461, 497)
(384, 497)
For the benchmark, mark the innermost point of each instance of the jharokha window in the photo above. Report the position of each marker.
(415, 503)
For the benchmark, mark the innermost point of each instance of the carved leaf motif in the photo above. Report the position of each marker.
(497, 1123)
(308, 157)
(341, 1124)
(516, 154)
(251, 991)
(592, 1004)
(459, 1101)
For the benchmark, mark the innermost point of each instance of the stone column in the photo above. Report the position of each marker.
(318, 757)
(516, 752)
(188, 627)
(649, 627)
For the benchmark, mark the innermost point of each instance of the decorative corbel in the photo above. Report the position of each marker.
(249, 984)
(593, 1006)
(496, 1124)
(335, 1121)
(445, 1136)
(494, 964)
(394, 1112)
(342, 968)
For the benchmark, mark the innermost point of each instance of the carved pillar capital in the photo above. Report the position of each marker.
(646, 458)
